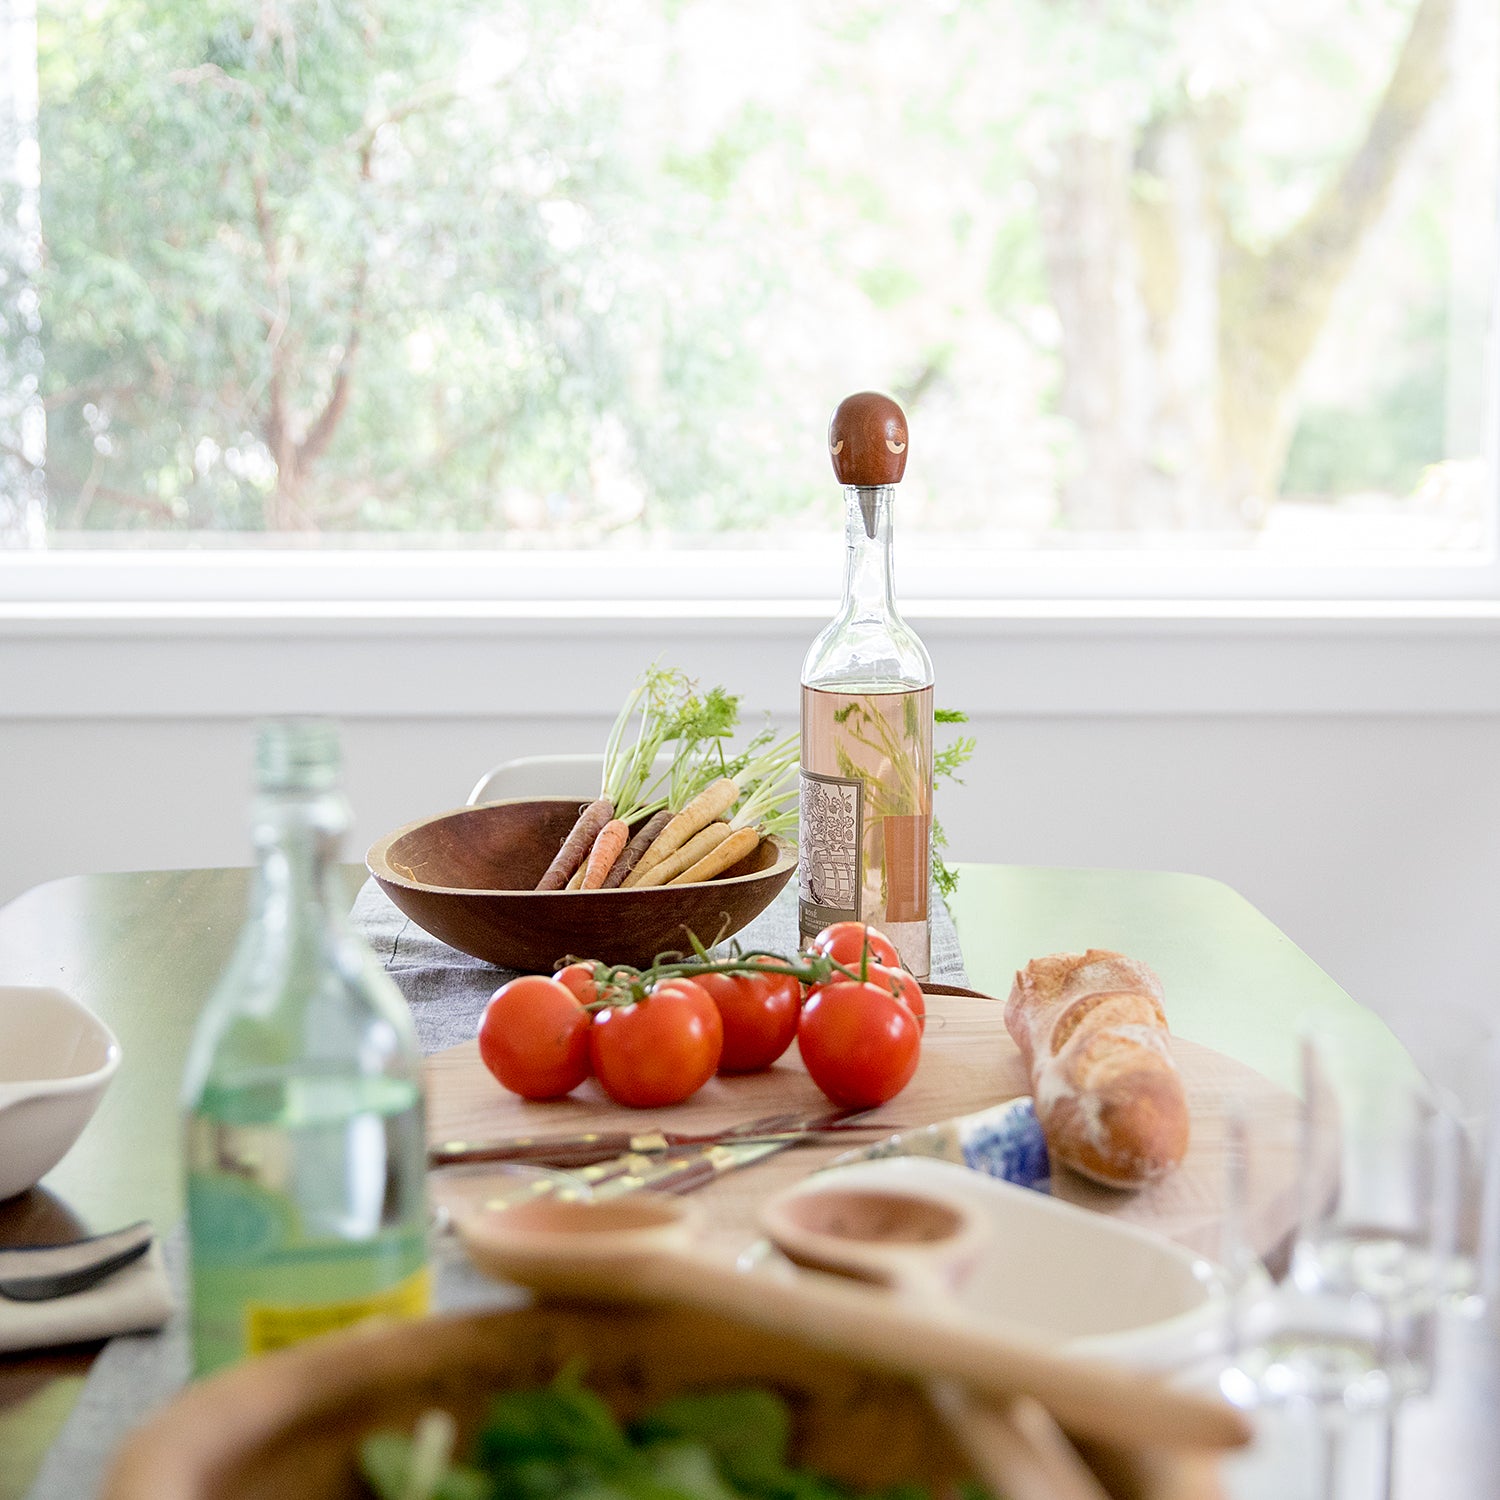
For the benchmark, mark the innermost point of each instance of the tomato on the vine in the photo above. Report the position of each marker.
(904, 987)
(759, 1012)
(860, 1043)
(657, 1051)
(534, 1037)
(847, 943)
(579, 978)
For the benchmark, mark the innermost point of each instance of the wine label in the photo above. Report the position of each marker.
(830, 833)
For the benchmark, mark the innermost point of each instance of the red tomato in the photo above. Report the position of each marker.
(759, 1012)
(904, 988)
(845, 943)
(579, 978)
(658, 1050)
(534, 1037)
(860, 1043)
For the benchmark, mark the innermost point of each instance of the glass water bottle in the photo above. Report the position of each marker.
(306, 1157)
(865, 823)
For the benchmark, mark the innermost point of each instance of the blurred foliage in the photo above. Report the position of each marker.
(562, 269)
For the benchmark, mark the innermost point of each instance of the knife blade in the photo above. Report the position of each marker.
(604, 1145)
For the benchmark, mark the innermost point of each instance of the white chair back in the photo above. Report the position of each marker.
(540, 776)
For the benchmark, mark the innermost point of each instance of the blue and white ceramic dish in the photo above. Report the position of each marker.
(1004, 1141)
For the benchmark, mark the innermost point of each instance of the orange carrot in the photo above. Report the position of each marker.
(577, 844)
(607, 849)
(727, 853)
(637, 847)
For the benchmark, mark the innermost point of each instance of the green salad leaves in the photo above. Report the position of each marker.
(560, 1442)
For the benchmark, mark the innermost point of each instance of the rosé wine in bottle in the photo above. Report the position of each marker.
(865, 819)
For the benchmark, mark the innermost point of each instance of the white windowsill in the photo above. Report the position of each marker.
(533, 659)
(713, 580)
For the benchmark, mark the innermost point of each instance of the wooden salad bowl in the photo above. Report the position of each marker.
(467, 877)
(289, 1424)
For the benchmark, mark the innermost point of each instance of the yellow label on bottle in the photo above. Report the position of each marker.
(270, 1326)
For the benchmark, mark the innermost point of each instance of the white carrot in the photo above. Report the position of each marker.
(684, 858)
(729, 853)
(707, 807)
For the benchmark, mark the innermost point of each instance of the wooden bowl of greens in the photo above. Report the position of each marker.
(468, 877)
(711, 1410)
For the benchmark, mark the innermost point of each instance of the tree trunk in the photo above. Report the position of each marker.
(1181, 348)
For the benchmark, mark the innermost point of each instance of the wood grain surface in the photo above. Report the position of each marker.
(968, 1063)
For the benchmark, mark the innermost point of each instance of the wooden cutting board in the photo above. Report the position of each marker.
(968, 1063)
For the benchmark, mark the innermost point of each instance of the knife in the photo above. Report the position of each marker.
(38, 1273)
(567, 1151)
(679, 1169)
(688, 1168)
(1002, 1141)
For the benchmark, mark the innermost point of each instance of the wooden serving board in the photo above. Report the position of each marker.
(968, 1063)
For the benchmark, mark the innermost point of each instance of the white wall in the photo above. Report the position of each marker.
(1344, 776)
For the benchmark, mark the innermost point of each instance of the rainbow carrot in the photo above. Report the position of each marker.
(576, 846)
(637, 847)
(607, 849)
(687, 856)
(726, 854)
(707, 807)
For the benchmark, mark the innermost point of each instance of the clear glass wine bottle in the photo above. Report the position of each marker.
(865, 821)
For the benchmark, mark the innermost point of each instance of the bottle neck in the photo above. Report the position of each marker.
(869, 579)
(297, 837)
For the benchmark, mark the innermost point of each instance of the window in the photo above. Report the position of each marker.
(1157, 280)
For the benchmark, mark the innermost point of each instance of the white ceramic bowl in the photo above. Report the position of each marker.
(56, 1058)
(1077, 1279)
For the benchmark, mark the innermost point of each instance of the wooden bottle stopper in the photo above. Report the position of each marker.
(867, 440)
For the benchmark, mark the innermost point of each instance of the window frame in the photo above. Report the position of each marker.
(590, 581)
(958, 579)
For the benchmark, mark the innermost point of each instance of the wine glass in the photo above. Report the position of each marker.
(1347, 1332)
(1288, 1344)
(1379, 1210)
(1457, 1049)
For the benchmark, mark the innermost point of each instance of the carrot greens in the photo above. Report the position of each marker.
(673, 781)
(663, 715)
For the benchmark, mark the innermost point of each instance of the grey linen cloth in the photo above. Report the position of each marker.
(447, 992)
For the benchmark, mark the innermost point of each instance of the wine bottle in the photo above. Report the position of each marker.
(865, 815)
(306, 1155)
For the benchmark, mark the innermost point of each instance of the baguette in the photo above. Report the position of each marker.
(1093, 1034)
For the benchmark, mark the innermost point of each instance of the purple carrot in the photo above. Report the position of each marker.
(576, 846)
(631, 855)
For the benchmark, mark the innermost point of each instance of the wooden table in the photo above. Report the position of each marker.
(143, 950)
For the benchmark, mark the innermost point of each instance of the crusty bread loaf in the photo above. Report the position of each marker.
(1093, 1033)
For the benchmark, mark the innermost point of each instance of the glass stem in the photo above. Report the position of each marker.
(1331, 1436)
